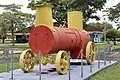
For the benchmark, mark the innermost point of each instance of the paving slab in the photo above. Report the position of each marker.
(49, 73)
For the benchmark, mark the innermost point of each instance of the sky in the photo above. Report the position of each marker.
(23, 2)
(109, 4)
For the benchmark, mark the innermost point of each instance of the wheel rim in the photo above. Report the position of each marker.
(90, 53)
(61, 62)
(27, 60)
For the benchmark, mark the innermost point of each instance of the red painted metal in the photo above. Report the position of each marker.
(51, 41)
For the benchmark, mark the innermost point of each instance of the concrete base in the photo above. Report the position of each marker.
(49, 73)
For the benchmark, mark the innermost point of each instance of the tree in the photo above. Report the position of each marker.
(61, 7)
(118, 26)
(15, 19)
(4, 29)
(113, 34)
(114, 14)
(101, 25)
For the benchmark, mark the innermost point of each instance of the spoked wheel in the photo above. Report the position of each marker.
(90, 52)
(27, 61)
(61, 62)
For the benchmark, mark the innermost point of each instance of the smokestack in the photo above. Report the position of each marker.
(75, 20)
(44, 15)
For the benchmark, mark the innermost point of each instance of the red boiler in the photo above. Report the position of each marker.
(49, 41)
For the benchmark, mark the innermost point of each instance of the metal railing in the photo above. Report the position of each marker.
(103, 54)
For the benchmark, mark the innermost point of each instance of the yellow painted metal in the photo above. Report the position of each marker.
(75, 20)
(45, 60)
(50, 58)
(90, 58)
(61, 62)
(44, 15)
(27, 60)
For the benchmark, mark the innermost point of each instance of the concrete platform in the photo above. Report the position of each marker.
(49, 73)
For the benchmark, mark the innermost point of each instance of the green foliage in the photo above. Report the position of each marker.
(112, 34)
(3, 29)
(3, 66)
(13, 16)
(118, 26)
(13, 19)
(114, 14)
(61, 7)
(101, 25)
(111, 73)
(12, 7)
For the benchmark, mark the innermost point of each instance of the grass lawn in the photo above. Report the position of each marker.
(111, 73)
(3, 66)
(14, 56)
(16, 64)
(21, 46)
(18, 45)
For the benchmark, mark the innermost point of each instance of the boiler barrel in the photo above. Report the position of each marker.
(49, 40)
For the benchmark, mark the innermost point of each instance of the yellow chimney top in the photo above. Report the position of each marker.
(75, 20)
(44, 15)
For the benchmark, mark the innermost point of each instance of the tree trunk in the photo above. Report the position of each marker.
(12, 37)
(3, 39)
(114, 42)
(12, 32)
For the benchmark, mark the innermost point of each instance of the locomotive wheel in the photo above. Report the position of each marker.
(90, 53)
(61, 62)
(27, 61)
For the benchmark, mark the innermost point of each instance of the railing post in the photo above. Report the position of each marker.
(11, 64)
(98, 57)
(69, 64)
(105, 56)
(90, 58)
(81, 52)
(111, 49)
(40, 65)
